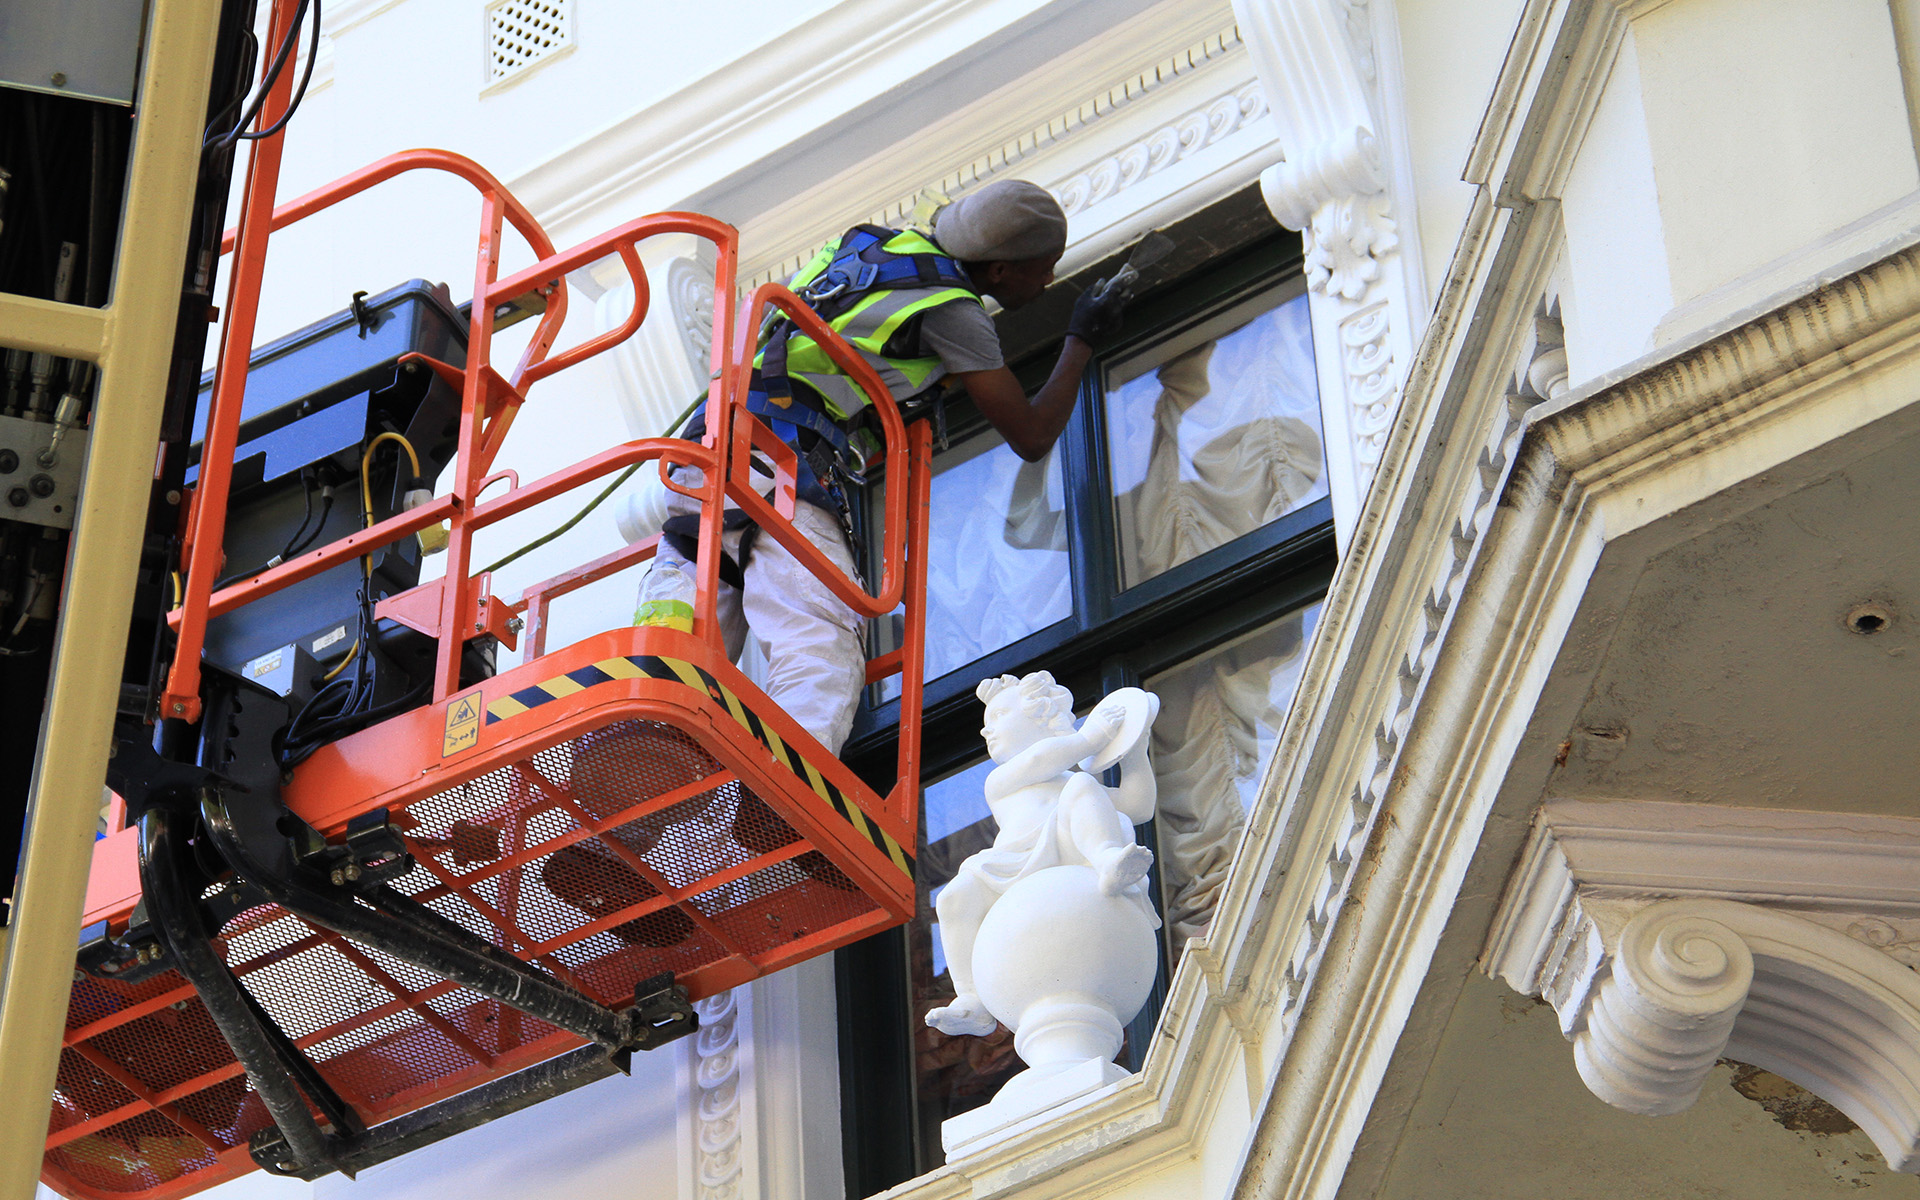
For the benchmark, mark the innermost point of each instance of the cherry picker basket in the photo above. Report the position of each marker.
(502, 891)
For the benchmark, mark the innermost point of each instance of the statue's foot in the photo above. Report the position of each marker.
(1122, 867)
(965, 1016)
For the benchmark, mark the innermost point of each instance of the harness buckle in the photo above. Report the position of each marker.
(815, 292)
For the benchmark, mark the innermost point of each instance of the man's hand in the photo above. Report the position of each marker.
(1096, 314)
(1030, 426)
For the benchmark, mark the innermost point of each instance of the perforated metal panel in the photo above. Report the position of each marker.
(605, 859)
(522, 32)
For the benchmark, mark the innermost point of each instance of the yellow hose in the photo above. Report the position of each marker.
(366, 488)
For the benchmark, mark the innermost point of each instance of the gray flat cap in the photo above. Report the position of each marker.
(1007, 221)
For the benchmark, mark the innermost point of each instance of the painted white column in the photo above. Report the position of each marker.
(1330, 72)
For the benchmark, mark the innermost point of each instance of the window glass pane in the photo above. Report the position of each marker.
(953, 1074)
(1212, 434)
(1219, 716)
(997, 553)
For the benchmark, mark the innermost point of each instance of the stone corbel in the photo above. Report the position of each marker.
(1649, 936)
(1325, 77)
(1335, 193)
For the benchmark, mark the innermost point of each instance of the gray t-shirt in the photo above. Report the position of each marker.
(963, 336)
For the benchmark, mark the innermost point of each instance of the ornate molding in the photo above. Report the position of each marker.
(1205, 126)
(1586, 855)
(1194, 131)
(690, 299)
(1643, 925)
(1366, 353)
(1316, 58)
(1364, 340)
(1320, 65)
(718, 1116)
(1898, 942)
(1345, 241)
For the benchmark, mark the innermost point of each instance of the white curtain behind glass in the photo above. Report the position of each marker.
(997, 567)
(1218, 441)
(1219, 717)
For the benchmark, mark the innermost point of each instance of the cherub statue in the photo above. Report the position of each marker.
(1052, 810)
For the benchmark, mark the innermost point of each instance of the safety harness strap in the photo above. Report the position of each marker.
(860, 266)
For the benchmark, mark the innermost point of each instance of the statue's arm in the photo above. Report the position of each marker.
(1138, 793)
(1037, 763)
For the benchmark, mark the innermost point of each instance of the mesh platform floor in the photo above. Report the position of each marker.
(605, 860)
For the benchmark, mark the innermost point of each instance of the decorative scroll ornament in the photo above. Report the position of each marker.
(716, 1083)
(1653, 992)
(1885, 937)
(1167, 145)
(1660, 1021)
(690, 293)
(1335, 194)
(1367, 355)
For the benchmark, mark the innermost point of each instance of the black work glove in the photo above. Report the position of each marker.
(1096, 314)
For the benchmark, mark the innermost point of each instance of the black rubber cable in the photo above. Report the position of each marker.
(266, 84)
(306, 76)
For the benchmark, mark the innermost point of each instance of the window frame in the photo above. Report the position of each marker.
(1113, 638)
(1102, 609)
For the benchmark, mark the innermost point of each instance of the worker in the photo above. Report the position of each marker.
(913, 307)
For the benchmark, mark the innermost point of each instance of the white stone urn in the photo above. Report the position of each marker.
(1065, 965)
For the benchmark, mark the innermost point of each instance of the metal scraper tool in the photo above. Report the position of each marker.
(1148, 251)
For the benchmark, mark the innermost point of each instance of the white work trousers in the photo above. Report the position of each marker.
(815, 663)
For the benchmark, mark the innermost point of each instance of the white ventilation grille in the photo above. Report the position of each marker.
(520, 33)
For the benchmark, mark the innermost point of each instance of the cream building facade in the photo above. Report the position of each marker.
(1571, 845)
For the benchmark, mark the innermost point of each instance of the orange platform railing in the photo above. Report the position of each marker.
(627, 805)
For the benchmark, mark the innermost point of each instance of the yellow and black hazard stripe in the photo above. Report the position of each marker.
(674, 670)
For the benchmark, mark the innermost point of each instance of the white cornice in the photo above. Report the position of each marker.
(726, 143)
(342, 15)
(1050, 127)
(759, 108)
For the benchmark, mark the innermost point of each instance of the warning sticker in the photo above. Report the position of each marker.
(463, 724)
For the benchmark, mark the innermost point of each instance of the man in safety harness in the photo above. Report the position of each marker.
(912, 307)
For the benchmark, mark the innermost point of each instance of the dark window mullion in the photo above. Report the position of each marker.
(1115, 673)
(1091, 559)
(1223, 561)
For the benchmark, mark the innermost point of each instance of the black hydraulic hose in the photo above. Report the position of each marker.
(306, 77)
(174, 911)
(267, 82)
(326, 510)
(242, 76)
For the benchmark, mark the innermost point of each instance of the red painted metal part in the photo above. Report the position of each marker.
(624, 805)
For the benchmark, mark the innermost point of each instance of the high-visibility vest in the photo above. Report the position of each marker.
(868, 285)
